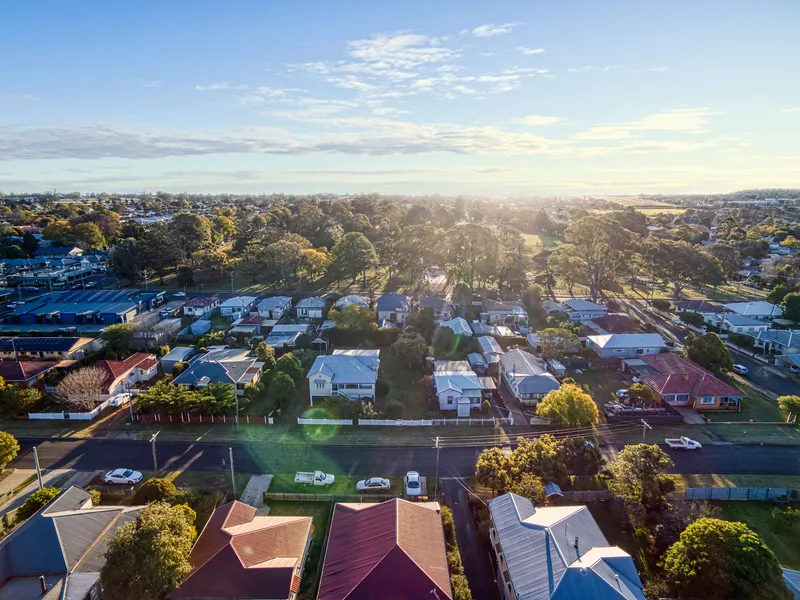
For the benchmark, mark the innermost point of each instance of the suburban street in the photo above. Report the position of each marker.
(97, 454)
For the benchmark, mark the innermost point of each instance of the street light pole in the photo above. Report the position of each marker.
(38, 468)
(233, 478)
(645, 427)
(153, 442)
(436, 481)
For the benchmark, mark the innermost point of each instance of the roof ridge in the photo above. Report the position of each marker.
(375, 566)
(97, 538)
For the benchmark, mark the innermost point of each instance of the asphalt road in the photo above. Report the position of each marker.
(96, 454)
(783, 386)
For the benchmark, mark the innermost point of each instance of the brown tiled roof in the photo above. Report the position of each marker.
(253, 320)
(615, 323)
(241, 555)
(24, 370)
(678, 375)
(202, 301)
(395, 545)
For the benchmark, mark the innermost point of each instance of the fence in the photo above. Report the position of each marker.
(70, 416)
(295, 497)
(324, 421)
(203, 419)
(435, 422)
(588, 496)
(736, 493)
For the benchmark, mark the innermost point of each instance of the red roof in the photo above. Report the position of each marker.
(615, 323)
(24, 370)
(678, 375)
(395, 546)
(116, 369)
(241, 555)
(202, 301)
(253, 320)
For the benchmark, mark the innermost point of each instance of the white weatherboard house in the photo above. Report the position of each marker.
(760, 309)
(625, 345)
(393, 307)
(457, 386)
(236, 307)
(274, 307)
(348, 373)
(310, 308)
(458, 325)
(584, 310)
(556, 553)
(526, 376)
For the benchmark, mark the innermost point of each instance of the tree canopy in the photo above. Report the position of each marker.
(639, 475)
(568, 405)
(708, 351)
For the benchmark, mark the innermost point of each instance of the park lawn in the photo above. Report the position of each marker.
(405, 386)
(662, 211)
(342, 485)
(320, 513)
(781, 538)
(539, 241)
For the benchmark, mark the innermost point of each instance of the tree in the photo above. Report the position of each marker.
(541, 222)
(692, 318)
(60, 233)
(716, 560)
(728, 257)
(582, 457)
(601, 245)
(444, 341)
(680, 264)
(191, 233)
(791, 307)
(567, 265)
(423, 321)
(353, 316)
(790, 405)
(81, 389)
(9, 448)
(708, 351)
(541, 456)
(555, 341)
(290, 364)
(492, 469)
(470, 254)
(280, 390)
(161, 538)
(89, 237)
(639, 475)
(410, 348)
(529, 486)
(29, 243)
(118, 337)
(353, 255)
(15, 400)
(214, 262)
(157, 489)
(778, 293)
(659, 304)
(641, 395)
(568, 405)
(314, 261)
(265, 354)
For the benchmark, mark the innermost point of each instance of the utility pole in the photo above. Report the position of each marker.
(153, 442)
(233, 478)
(130, 406)
(645, 427)
(436, 481)
(38, 468)
(232, 275)
(237, 410)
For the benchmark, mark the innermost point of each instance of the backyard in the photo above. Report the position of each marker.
(780, 537)
(405, 387)
(602, 383)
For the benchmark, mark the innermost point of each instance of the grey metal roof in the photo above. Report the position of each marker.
(178, 353)
(435, 302)
(476, 358)
(458, 381)
(393, 302)
(274, 302)
(489, 345)
(784, 337)
(312, 302)
(559, 553)
(577, 304)
(628, 340)
(458, 325)
(758, 308)
(351, 300)
(344, 368)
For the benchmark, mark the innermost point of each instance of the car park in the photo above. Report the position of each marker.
(124, 476)
(373, 484)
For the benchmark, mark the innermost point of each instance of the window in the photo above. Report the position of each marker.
(708, 400)
(320, 384)
(640, 351)
(681, 397)
(619, 350)
(669, 398)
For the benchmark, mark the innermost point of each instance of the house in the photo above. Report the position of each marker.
(490, 347)
(734, 323)
(201, 306)
(200, 327)
(244, 556)
(348, 373)
(700, 306)
(479, 328)
(310, 308)
(625, 345)
(760, 309)
(478, 363)
(458, 325)
(680, 382)
(551, 307)
(584, 310)
(61, 549)
(441, 308)
(122, 375)
(173, 357)
(250, 325)
(780, 341)
(274, 307)
(526, 376)
(535, 344)
(351, 300)
(393, 307)
(57, 251)
(391, 549)
(494, 313)
(230, 366)
(556, 553)
(237, 307)
(60, 348)
(457, 387)
(26, 373)
(613, 323)
(283, 340)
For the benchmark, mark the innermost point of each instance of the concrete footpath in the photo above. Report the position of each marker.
(49, 478)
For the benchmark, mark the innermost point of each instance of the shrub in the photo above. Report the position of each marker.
(179, 368)
(692, 318)
(460, 587)
(381, 387)
(742, 340)
(96, 497)
(661, 304)
(394, 409)
(787, 516)
(155, 490)
(454, 562)
(486, 407)
(35, 501)
(448, 525)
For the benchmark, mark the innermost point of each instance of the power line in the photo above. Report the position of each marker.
(568, 429)
(554, 432)
(486, 443)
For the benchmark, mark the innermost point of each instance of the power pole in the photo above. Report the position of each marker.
(232, 275)
(38, 468)
(436, 481)
(237, 410)
(130, 405)
(233, 478)
(645, 427)
(153, 442)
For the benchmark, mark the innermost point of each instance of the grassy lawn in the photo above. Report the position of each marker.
(667, 211)
(405, 386)
(754, 407)
(603, 383)
(343, 484)
(219, 323)
(753, 433)
(716, 480)
(539, 241)
(320, 512)
(781, 538)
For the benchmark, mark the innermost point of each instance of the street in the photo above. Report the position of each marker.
(95, 454)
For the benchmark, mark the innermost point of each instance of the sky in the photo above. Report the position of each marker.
(566, 98)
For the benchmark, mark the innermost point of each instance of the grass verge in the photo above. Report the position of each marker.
(343, 484)
(716, 480)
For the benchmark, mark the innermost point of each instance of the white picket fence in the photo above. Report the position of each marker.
(434, 422)
(324, 421)
(70, 416)
(397, 423)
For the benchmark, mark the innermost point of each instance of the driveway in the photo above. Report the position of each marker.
(476, 558)
(514, 406)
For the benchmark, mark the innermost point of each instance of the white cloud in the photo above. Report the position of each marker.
(686, 120)
(539, 120)
(657, 69)
(491, 30)
(580, 69)
(265, 93)
(402, 50)
(20, 97)
(531, 51)
(791, 111)
(214, 87)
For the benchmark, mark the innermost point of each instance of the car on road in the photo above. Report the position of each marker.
(793, 369)
(13, 305)
(165, 313)
(77, 286)
(29, 288)
(373, 484)
(125, 476)
(90, 285)
(683, 443)
(623, 393)
(67, 329)
(740, 369)
(413, 484)
(179, 295)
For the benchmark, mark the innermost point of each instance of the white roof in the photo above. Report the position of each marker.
(312, 302)
(239, 302)
(351, 300)
(347, 366)
(759, 308)
(458, 325)
(489, 345)
(628, 340)
(274, 302)
(577, 304)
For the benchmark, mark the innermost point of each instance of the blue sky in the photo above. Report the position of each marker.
(500, 98)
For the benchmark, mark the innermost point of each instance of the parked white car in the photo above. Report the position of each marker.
(413, 484)
(373, 484)
(740, 369)
(621, 393)
(126, 476)
(683, 443)
(179, 295)
(314, 478)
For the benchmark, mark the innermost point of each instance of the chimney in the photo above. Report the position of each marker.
(42, 584)
(576, 541)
